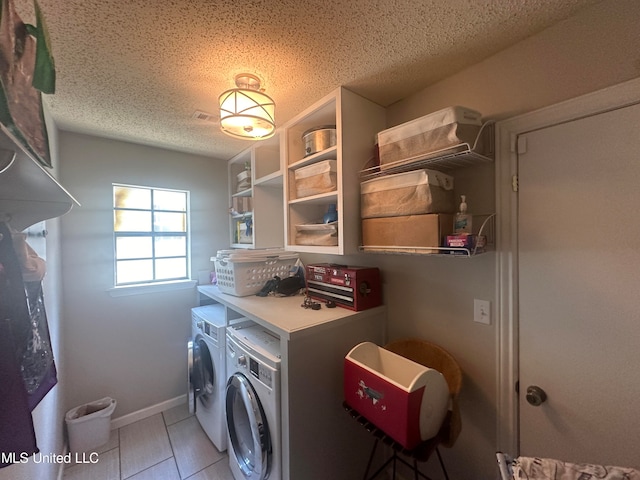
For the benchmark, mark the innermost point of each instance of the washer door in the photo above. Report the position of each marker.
(201, 375)
(248, 428)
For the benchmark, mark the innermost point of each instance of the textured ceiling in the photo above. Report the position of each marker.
(137, 70)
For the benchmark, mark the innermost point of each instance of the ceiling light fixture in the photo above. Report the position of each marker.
(246, 112)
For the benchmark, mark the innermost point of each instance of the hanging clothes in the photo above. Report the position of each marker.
(27, 367)
(17, 434)
(38, 366)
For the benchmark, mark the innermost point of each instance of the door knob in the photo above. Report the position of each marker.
(536, 396)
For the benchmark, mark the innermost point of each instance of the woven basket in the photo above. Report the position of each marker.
(433, 356)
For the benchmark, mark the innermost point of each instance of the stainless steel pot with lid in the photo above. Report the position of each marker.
(319, 138)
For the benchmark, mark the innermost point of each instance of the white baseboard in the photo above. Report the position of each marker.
(147, 412)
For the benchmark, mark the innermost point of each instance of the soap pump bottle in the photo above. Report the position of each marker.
(462, 221)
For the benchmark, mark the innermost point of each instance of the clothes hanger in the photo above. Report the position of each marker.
(7, 157)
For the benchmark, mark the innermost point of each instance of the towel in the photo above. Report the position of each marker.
(534, 468)
(33, 267)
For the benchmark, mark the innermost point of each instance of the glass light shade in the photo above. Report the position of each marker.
(247, 114)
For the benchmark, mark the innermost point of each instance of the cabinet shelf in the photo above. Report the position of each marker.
(28, 193)
(487, 228)
(357, 121)
(431, 251)
(450, 158)
(244, 193)
(241, 245)
(326, 154)
(240, 216)
(274, 179)
(263, 201)
(266, 164)
(320, 198)
(457, 156)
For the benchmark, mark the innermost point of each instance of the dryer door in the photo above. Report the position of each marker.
(193, 381)
(248, 428)
(201, 375)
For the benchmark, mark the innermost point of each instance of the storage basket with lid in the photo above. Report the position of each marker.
(243, 180)
(321, 234)
(319, 177)
(410, 193)
(434, 133)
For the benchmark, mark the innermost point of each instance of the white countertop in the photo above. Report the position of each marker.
(284, 315)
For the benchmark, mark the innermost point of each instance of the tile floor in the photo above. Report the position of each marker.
(167, 446)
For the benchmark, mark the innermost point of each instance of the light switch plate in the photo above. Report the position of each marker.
(482, 311)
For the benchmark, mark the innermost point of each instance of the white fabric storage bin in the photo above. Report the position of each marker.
(89, 425)
(321, 234)
(319, 177)
(417, 139)
(410, 193)
(244, 175)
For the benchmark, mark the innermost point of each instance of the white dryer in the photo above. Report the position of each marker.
(207, 371)
(253, 402)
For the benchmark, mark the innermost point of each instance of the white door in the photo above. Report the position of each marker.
(579, 289)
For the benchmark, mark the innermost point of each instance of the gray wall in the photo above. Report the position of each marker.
(132, 348)
(432, 298)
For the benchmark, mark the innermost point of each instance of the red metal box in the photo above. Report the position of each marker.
(355, 288)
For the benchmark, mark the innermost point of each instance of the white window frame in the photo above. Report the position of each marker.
(153, 285)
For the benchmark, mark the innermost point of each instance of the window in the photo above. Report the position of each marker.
(150, 227)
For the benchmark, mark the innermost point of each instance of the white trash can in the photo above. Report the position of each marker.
(88, 425)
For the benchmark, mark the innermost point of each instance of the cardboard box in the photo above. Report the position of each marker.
(427, 230)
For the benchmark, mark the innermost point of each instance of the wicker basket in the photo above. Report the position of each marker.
(434, 356)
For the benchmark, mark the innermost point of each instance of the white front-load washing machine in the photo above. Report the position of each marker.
(207, 371)
(253, 402)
